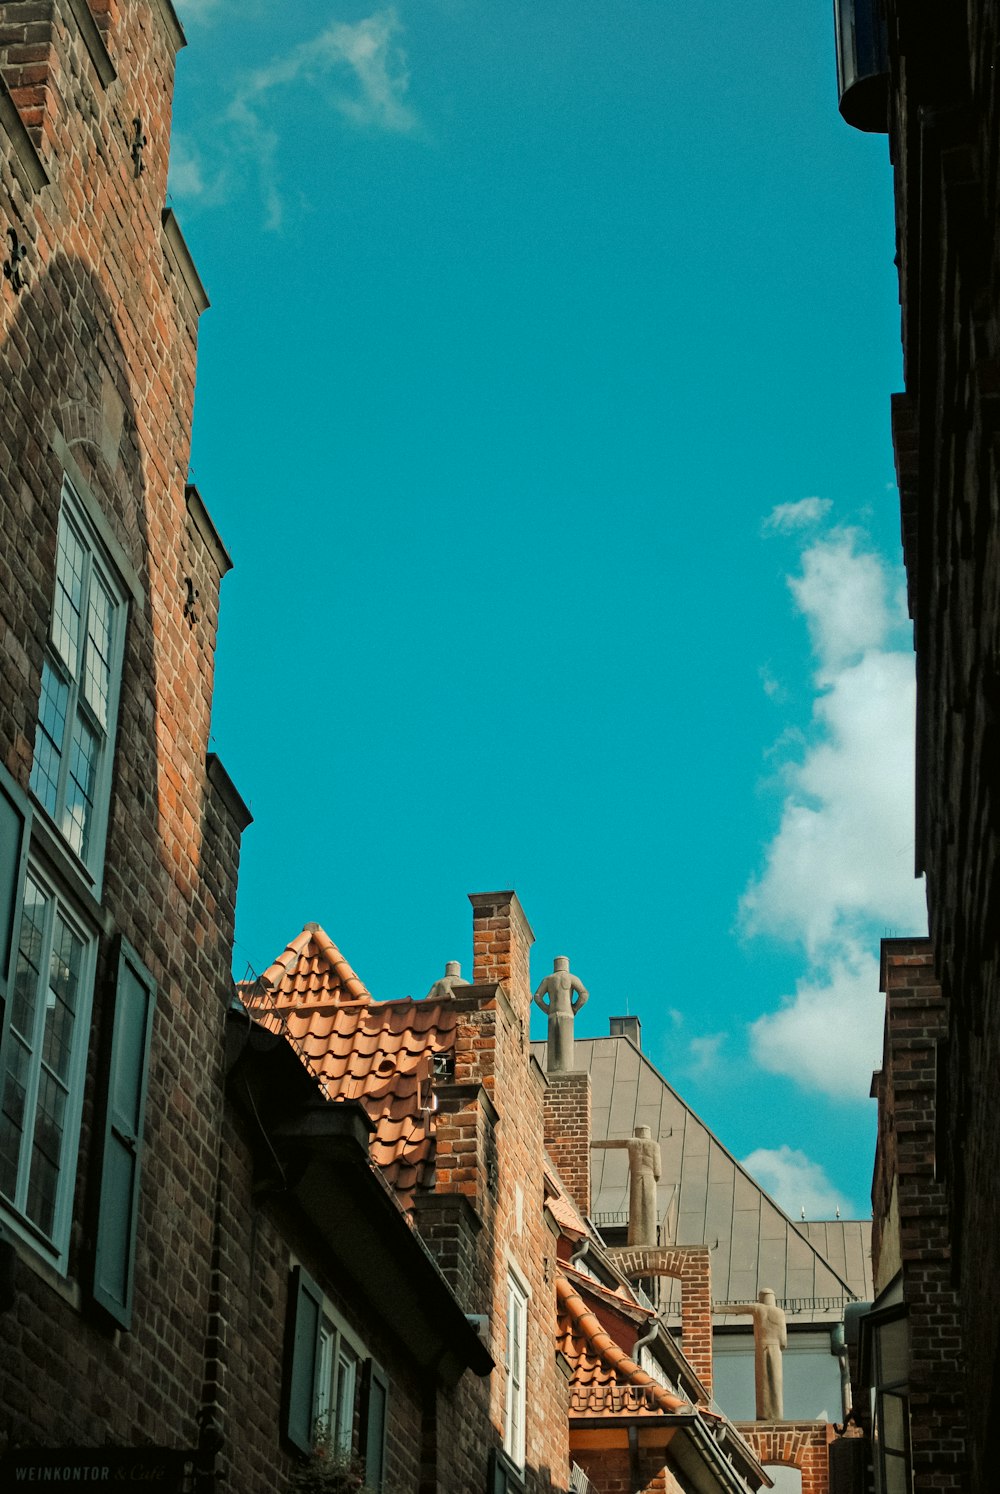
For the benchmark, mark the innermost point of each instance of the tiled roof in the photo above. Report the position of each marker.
(378, 1052)
(312, 969)
(604, 1380)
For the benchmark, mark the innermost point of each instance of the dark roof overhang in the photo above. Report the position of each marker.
(712, 1462)
(315, 1152)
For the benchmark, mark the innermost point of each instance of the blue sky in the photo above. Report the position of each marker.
(543, 405)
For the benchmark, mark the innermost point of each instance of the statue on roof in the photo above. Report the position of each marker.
(560, 996)
(770, 1336)
(449, 982)
(644, 1168)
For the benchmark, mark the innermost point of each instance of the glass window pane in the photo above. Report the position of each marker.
(897, 1476)
(61, 999)
(97, 659)
(68, 600)
(49, 737)
(894, 1423)
(15, 1084)
(324, 1374)
(893, 1341)
(27, 981)
(346, 1381)
(80, 787)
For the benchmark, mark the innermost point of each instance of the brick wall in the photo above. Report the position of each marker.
(910, 1206)
(793, 1444)
(97, 367)
(945, 149)
(691, 1265)
(567, 1133)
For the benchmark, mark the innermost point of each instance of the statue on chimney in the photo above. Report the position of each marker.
(560, 996)
(644, 1168)
(770, 1336)
(449, 982)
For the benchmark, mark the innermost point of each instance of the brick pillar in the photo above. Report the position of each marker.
(691, 1265)
(501, 946)
(567, 1133)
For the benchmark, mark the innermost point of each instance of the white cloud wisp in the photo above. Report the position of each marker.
(796, 1183)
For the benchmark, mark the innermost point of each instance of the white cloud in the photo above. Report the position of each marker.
(796, 1183)
(839, 870)
(785, 518)
(706, 1053)
(828, 1036)
(362, 66)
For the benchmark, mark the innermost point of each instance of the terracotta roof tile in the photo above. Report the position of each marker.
(604, 1380)
(312, 969)
(379, 1052)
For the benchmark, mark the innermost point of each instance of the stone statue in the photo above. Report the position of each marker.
(449, 982)
(770, 1336)
(565, 995)
(644, 1167)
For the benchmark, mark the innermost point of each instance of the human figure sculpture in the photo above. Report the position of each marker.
(770, 1336)
(560, 996)
(449, 982)
(644, 1167)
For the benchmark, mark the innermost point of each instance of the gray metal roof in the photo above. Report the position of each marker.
(706, 1197)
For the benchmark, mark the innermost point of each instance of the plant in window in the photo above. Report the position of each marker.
(329, 1468)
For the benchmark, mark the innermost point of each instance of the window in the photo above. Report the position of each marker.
(890, 1339)
(45, 1033)
(325, 1368)
(515, 1366)
(74, 739)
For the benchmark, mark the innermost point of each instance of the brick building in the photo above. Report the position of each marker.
(197, 1258)
(930, 80)
(119, 832)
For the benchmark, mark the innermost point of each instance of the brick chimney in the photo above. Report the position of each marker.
(501, 947)
(567, 1133)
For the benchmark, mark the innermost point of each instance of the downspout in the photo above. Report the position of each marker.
(838, 1348)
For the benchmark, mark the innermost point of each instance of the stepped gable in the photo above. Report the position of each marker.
(379, 1052)
(604, 1380)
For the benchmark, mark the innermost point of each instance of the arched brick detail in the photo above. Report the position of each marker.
(796, 1444)
(690, 1265)
(82, 424)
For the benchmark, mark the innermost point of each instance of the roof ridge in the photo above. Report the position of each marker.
(613, 1355)
(314, 934)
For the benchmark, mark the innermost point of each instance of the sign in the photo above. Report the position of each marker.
(96, 1470)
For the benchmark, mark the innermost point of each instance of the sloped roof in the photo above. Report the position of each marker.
(847, 1245)
(312, 969)
(704, 1196)
(604, 1381)
(378, 1052)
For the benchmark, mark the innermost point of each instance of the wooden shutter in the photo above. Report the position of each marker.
(305, 1311)
(376, 1414)
(118, 1208)
(15, 828)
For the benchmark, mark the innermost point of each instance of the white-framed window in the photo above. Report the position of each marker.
(515, 1369)
(46, 1030)
(336, 1384)
(81, 675)
(332, 1389)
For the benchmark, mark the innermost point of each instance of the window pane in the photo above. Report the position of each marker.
(894, 1423)
(346, 1382)
(80, 788)
(46, 1152)
(893, 1352)
(61, 1000)
(12, 1116)
(27, 980)
(324, 1375)
(68, 601)
(50, 737)
(97, 659)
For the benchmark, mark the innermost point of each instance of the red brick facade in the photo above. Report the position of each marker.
(910, 1206)
(794, 1444)
(98, 333)
(567, 1133)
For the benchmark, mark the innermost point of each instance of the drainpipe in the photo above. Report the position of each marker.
(838, 1348)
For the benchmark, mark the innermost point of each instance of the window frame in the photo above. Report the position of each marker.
(79, 711)
(52, 1245)
(516, 1368)
(319, 1343)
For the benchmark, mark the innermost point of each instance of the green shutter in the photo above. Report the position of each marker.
(15, 827)
(305, 1310)
(114, 1256)
(376, 1404)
